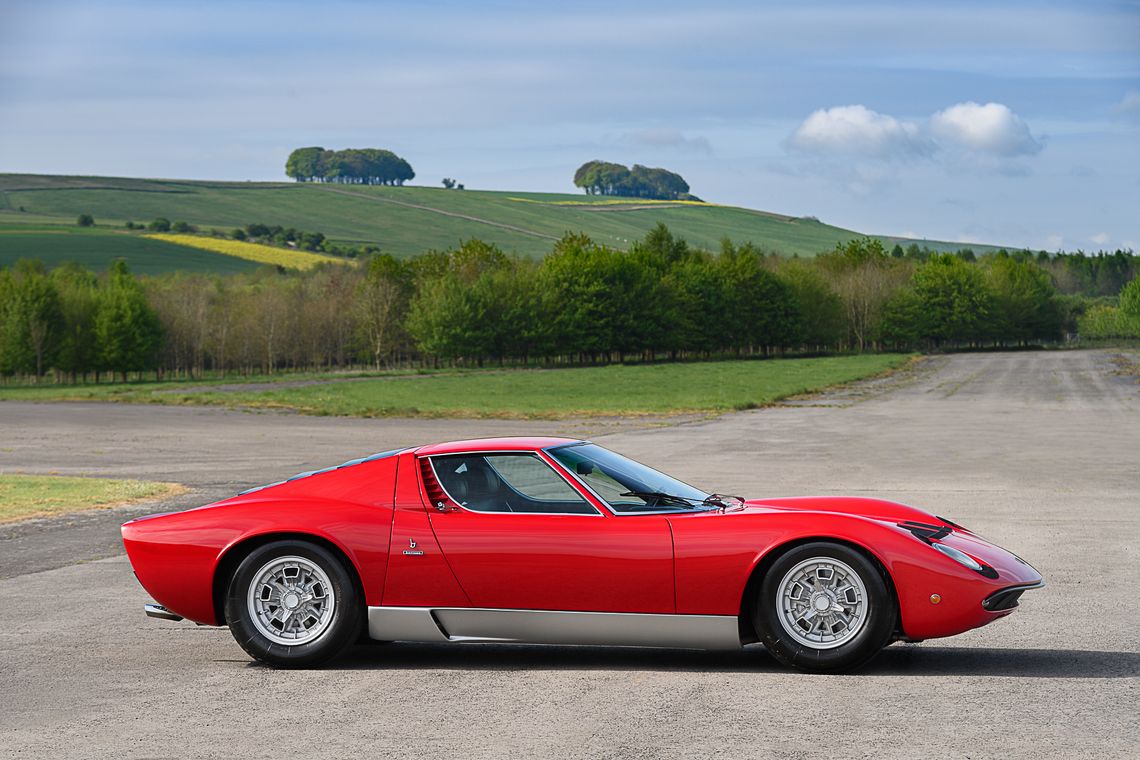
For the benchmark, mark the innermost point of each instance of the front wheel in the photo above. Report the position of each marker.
(293, 604)
(824, 608)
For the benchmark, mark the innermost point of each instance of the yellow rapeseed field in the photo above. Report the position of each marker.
(264, 254)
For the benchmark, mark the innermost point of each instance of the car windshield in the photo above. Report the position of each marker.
(624, 484)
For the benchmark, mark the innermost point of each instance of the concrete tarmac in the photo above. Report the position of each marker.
(1039, 452)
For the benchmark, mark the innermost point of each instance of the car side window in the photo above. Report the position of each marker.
(507, 483)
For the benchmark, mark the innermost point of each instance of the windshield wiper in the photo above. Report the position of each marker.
(683, 501)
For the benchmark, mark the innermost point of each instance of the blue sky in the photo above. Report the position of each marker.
(1013, 123)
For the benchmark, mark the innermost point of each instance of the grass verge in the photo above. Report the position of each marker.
(615, 390)
(26, 496)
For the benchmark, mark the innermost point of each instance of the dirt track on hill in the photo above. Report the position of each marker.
(1037, 451)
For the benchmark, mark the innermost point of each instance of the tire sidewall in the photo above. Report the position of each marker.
(875, 634)
(342, 631)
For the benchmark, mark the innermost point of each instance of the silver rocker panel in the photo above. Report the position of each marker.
(475, 624)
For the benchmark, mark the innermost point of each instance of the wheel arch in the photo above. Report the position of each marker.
(233, 555)
(752, 587)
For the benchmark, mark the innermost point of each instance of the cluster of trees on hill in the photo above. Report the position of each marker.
(354, 166)
(585, 302)
(605, 178)
(277, 235)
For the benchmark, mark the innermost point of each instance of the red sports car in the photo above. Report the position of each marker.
(560, 541)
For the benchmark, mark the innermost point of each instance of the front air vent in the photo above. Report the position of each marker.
(925, 531)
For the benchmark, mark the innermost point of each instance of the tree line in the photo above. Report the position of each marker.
(353, 166)
(605, 178)
(583, 303)
(1102, 273)
(75, 323)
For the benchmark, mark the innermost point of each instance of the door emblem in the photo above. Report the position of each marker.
(412, 551)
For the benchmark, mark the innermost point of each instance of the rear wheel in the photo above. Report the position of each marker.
(293, 604)
(824, 607)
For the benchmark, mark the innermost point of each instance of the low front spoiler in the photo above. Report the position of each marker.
(1006, 599)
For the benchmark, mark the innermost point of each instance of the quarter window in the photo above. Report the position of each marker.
(507, 483)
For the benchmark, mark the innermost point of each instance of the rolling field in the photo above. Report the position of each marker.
(406, 220)
(96, 249)
(649, 389)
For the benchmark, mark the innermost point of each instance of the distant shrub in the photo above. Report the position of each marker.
(181, 226)
(132, 226)
(1130, 303)
(85, 220)
(311, 241)
(238, 234)
(1103, 321)
(159, 225)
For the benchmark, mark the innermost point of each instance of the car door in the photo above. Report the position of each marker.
(518, 534)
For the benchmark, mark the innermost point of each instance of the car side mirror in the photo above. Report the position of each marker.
(584, 468)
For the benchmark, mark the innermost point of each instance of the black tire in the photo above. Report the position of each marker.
(876, 631)
(342, 629)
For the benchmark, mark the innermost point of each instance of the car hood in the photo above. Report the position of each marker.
(874, 509)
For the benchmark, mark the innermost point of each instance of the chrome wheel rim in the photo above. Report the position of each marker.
(291, 600)
(822, 603)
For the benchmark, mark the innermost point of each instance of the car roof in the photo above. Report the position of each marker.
(514, 443)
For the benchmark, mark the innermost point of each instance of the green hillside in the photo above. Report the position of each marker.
(402, 220)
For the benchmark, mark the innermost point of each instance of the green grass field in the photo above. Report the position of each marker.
(97, 248)
(403, 221)
(24, 496)
(627, 390)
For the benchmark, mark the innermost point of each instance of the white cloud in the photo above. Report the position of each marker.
(1100, 238)
(991, 129)
(857, 130)
(992, 133)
